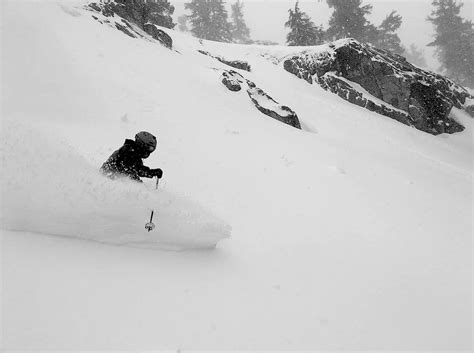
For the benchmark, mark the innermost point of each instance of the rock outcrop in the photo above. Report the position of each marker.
(262, 101)
(233, 80)
(268, 106)
(125, 15)
(382, 82)
(158, 34)
(236, 64)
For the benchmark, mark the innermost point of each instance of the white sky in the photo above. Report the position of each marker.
(266, 18)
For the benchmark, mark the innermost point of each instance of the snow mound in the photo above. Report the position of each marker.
(47, 187)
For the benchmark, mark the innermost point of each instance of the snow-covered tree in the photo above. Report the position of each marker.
(158, 12)
(454, 41)
(386, 36)
(209, 20)
(348, 20)
(240, 31)
(302, 29)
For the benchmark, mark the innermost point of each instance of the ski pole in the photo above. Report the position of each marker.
(150, 225)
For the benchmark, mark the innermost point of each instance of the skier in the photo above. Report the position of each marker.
(127, 160)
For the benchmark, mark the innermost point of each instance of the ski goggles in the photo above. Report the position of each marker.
(150, 148)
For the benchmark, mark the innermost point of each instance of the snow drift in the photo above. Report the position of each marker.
(47, 187)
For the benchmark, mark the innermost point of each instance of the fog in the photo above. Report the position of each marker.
(266, 19)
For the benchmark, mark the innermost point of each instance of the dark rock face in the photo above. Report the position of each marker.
(262, 101)
(158, 34)
(236, 64)
(344, 90)
(128, 11)
(396, 88)
(125, 28)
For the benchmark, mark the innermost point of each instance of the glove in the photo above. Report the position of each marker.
(157, 172)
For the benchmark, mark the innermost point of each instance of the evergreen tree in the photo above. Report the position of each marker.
(302, 29)
(157, 12)
(386, 36)
(240, 31)
(415, 56)
(209, 20)
(348, 20)
(454, 41)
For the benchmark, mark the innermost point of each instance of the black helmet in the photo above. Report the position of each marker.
(146, 140)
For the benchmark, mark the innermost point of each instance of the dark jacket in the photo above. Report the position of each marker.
(127, 161)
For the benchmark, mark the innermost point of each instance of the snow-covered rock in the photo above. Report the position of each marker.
(411, 95)
(128, 17)
(236, 64)
(262, 101)
(268, 106)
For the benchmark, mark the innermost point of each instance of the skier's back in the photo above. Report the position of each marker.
(127, 160)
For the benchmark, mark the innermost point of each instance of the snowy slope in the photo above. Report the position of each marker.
(354, 233)
(81, 203)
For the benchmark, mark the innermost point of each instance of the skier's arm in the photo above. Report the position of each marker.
(150, 173)
(144, 171)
